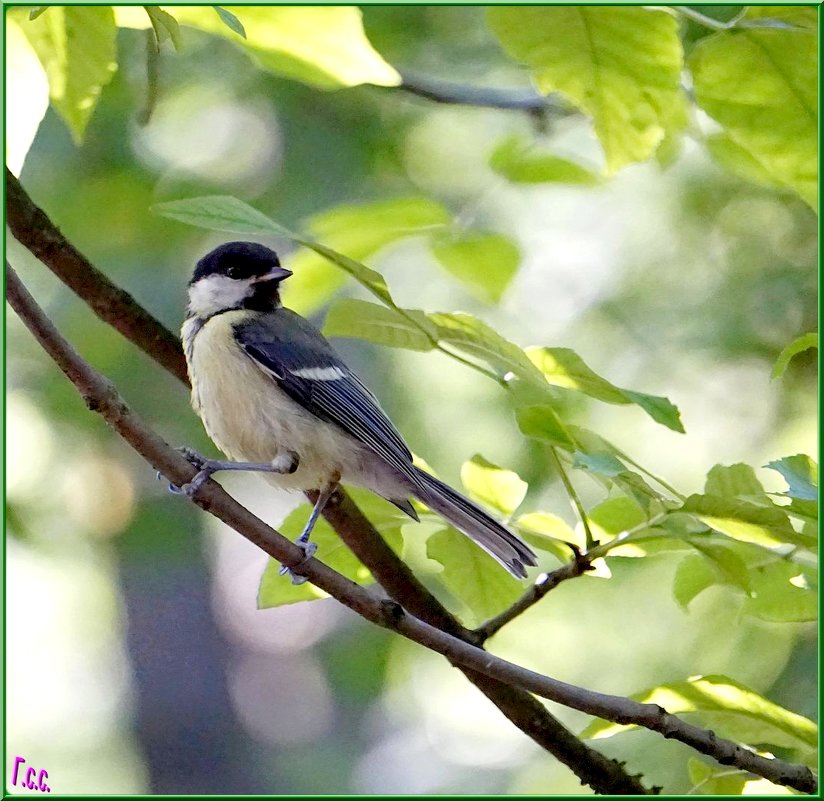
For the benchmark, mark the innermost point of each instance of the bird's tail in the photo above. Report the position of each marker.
(497, 541)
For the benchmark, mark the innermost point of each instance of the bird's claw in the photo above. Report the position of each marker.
(193, 457)
(309, 549)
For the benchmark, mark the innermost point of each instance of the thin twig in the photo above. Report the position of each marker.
(101, 396)
(33, 228)
(573, 496)
(579, 565)
(451, 93)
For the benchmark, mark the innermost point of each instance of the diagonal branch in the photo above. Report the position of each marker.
(101, 396)
(31, 226)
(547, 582)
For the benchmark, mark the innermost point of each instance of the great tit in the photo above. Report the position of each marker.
(275, 397)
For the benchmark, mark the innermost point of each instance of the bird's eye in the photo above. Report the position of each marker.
(233, 272)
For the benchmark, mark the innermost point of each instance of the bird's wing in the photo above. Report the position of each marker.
(305, 366)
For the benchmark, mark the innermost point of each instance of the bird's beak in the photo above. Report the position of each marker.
(275, 274)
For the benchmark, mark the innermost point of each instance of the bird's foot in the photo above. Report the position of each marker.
(309, 549)
(205, 469)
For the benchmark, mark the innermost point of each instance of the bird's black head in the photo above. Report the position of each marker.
(236, 275)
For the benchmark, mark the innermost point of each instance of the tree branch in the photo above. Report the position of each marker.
(579, 565)
(35, 231)
(458, 94)
(32, 228)
(102, 396)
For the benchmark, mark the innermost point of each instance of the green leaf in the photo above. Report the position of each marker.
(485, 262)
(523, 163)
(731, 709)
(359, 319)
(548, 532)
(165, 27)
(766, 526)
(800, 16)
(541, 422)
(735, 480)
(563, 367)
(231, 21)
(36, 11)
(325, 47)
(500, 489)
(739, 161)
(783, 592)
(359, 231)
(277, 590)
(472, 575)
(220, 213)
(760, 85)
(226, 213)
(729, 567)
(77, 48)
(693, 575)
(468, 334)
(795, 347)
(622, 66)
(712, 780)
(604, 464)
(614, 516)
(801, 474)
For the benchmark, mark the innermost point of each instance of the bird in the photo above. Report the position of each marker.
(276, 398)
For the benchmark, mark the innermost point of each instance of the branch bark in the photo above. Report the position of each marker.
(101, 396)
(32, 227)
(448, 92)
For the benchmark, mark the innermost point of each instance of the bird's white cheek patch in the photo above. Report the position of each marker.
(216, 293)
(319, 373)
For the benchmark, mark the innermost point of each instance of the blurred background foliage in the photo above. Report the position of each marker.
(137, 660)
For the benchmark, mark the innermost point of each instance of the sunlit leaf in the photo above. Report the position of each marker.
(800, 16)
(734, 480)
(795, 347)
(231, 21)
(760, 85)
(474, 337)
(615, 515)
(472, 575)
(714, 780)
(359, 319)
(485, 262)
(325, 47)
(565, 368)
(622, 66)
(801, 474)
(729, 708)
(165, 26)
(521, 162)
(548, 532)
(277, 590)
(541, 422)
(501, 489)
(359, 231)
(743, 521)
(77, 47)
(783, 592)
